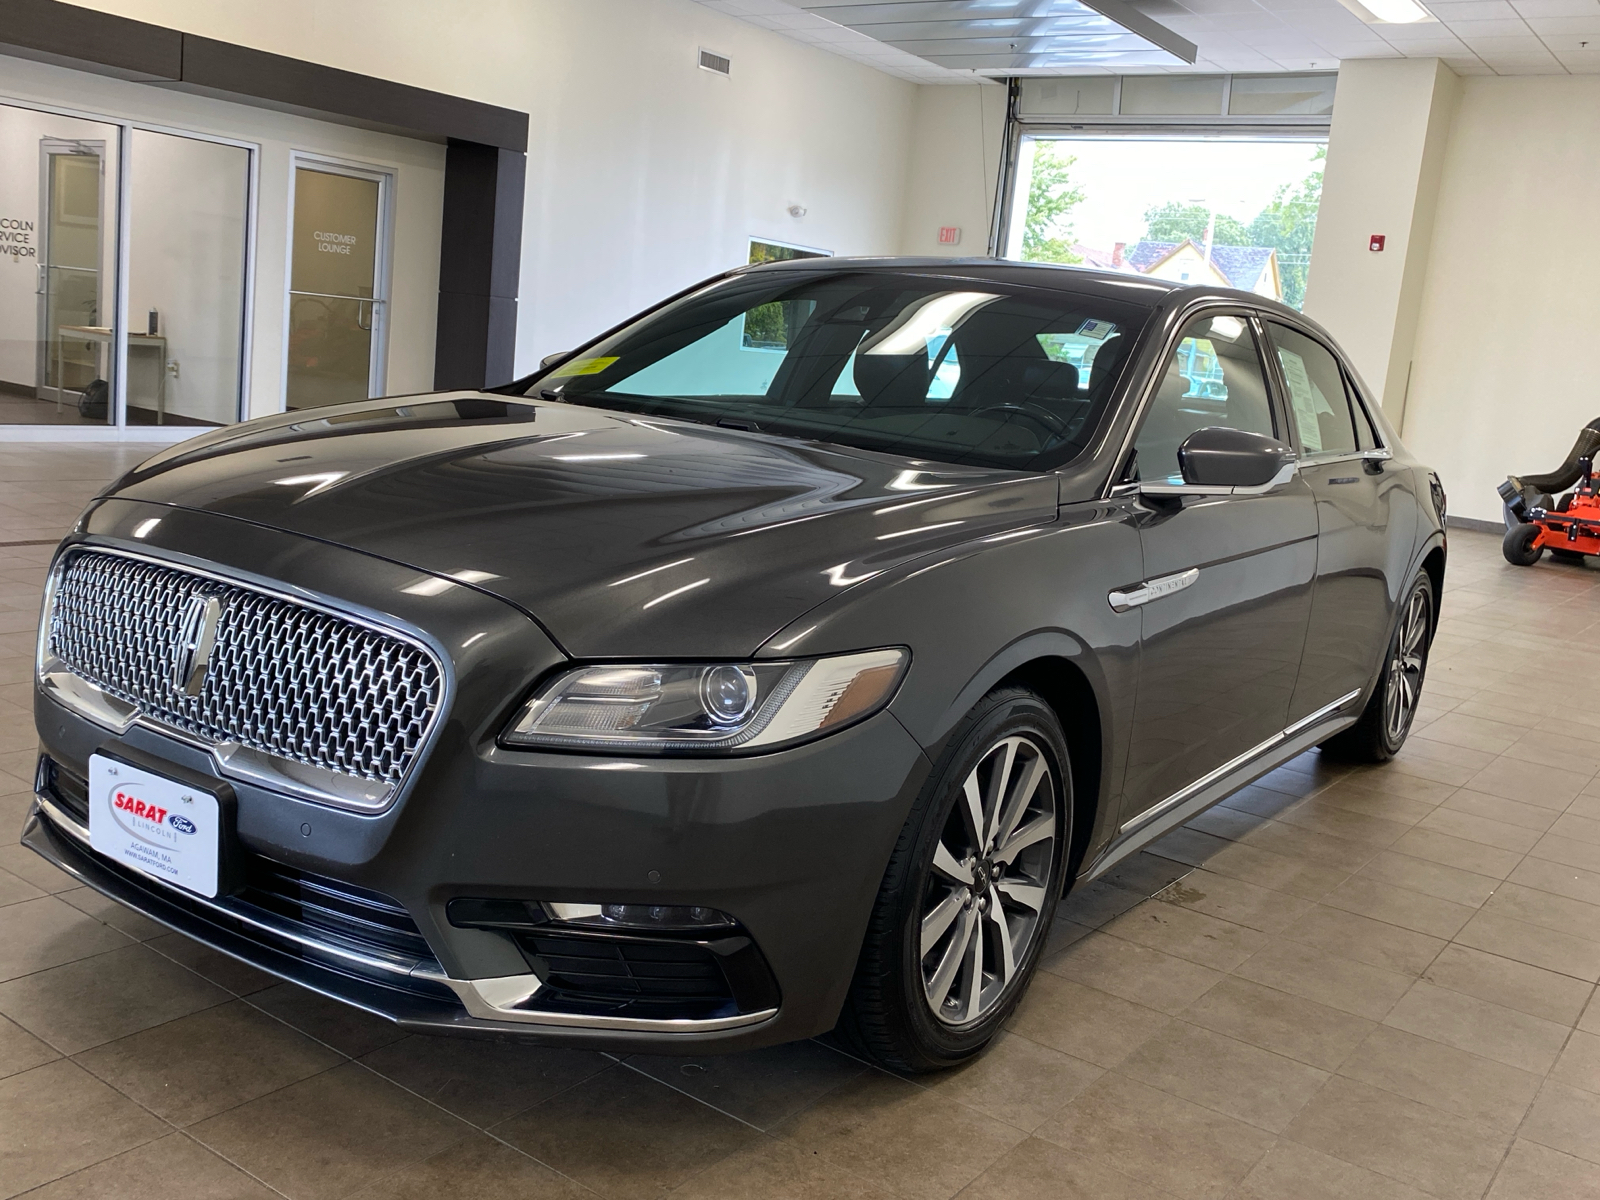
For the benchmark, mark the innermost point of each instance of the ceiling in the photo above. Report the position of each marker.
(948, 41)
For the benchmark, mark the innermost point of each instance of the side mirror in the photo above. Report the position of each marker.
(550, 360)
(1217, 460)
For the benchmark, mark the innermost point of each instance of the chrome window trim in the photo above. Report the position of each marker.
(303, 781)
(1284, 475)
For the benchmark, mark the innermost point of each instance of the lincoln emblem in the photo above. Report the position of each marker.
(197, 635)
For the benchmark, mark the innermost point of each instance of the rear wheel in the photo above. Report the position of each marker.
(1518, 546)
(967, 899)
(1387, 718)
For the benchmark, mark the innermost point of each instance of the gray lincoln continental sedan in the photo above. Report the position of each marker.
(770, 664)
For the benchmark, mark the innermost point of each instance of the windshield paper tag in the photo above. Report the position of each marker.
(1095, 329)
(583, 366)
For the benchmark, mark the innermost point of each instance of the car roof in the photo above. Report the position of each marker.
(1081, 281)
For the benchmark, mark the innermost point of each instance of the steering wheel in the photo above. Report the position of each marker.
(1036, 413)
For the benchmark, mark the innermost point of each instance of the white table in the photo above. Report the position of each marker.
(103, 335)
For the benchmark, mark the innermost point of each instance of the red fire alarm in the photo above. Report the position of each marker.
(949, 235)
(1376, 243)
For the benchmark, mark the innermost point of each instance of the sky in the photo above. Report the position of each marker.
(1122, 177)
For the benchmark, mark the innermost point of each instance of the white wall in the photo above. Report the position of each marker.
(418, 168)
(1386, 146)
(957, 139)
(1505, 348)
(644, 172)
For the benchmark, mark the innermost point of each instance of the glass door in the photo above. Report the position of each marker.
(58, 198)
(337, 287)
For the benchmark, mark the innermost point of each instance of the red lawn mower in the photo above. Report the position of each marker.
(1568, 527)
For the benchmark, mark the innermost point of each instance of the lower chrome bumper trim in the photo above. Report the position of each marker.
(507, 999)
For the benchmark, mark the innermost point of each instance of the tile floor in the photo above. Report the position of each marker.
(1340, 983)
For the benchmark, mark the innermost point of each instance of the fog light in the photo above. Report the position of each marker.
(638, 916)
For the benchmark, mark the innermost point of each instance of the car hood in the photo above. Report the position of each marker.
(623, 536)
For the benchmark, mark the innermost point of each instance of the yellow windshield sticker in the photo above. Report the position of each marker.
(583, 366)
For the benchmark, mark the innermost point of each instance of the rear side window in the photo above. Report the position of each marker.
(1213, 377)
(1317, 398)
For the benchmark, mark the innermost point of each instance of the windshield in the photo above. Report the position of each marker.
(932, 368)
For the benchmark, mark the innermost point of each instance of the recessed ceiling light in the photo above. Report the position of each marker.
(1388, 12)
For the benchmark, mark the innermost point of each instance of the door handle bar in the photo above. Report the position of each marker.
(1153, 589)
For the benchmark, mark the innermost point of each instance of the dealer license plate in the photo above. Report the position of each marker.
(159, 827)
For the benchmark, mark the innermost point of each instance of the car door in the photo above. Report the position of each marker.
(1362, 550)
(1227, 577)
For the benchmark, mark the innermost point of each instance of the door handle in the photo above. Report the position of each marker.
(1152, 589)
(1344, 479)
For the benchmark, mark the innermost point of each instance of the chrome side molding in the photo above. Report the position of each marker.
(1232, 765)
(1153, 589)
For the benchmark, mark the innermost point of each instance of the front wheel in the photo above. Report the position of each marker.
(1386, 720)
(1518, 547)
(971, 887)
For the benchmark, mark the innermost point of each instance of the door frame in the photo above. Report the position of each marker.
(382, 267)
(51, 147)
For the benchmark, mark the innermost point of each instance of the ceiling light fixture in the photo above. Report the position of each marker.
(1388, 12)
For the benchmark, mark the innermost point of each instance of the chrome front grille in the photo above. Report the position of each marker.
(282, 678)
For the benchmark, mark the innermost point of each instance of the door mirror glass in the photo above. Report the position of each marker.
(1228, 458)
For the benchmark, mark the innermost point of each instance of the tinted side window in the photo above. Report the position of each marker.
(1316, 393)
(1366, 435)
(1214, 377)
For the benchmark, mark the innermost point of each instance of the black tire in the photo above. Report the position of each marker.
(889, 1015)
(1377, 736)
(1518, 546)
(1567, 556)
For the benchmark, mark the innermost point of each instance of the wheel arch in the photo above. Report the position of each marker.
(1066, 689)
(1433, 564)
(1064, 673)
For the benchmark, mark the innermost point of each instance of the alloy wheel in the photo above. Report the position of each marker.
(1404, 684)
(986, 894)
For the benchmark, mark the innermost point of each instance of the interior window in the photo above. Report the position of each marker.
(1214, 377)
(1316, 394)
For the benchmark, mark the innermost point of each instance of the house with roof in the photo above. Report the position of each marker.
(1249, 268)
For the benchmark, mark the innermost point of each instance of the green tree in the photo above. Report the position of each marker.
(1288, 224)
(1047, 237)
(1172, 222)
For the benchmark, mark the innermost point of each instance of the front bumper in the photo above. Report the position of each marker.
(791, 844)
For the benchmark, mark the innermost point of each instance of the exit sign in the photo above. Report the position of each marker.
(949, 235)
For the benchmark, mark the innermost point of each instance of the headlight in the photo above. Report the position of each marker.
(706, 708)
